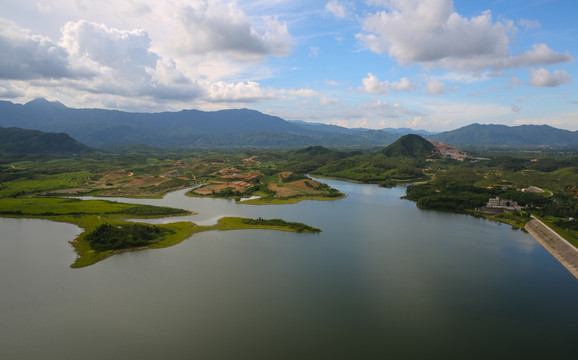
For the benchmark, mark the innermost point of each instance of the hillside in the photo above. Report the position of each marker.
(501, 135)
(411, 145)
(401, 161)
(15, 140)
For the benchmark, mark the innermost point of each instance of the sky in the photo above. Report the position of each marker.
(435, 65)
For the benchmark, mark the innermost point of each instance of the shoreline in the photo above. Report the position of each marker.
(559, 247)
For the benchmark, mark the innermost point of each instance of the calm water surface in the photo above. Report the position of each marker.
(383, 280)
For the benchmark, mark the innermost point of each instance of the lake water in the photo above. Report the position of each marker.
(383, 280)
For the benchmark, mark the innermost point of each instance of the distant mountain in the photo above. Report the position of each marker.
(523, 135)
(406, 131)
(186, 128)
(15, 140)
(411, 145)
(243, 127)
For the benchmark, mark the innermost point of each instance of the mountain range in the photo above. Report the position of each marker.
(243, 127)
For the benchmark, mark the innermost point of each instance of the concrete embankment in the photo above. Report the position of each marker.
(561, 249)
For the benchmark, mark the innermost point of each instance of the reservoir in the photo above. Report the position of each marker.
(383, 280)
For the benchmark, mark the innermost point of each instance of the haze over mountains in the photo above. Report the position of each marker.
(243, 127)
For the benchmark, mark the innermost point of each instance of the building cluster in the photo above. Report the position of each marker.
(497, 205)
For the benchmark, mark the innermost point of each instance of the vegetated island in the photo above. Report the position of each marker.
(107, 231)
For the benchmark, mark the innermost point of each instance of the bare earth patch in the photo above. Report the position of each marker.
(296, 188)
(214, 188)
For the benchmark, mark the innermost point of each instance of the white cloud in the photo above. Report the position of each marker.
(540, 54)
(372, 85)
(123, 64)
(403, 85)
(26, 56)
(116, 49)
(433, 34)
(338, 10)
(102, 65)
(251, 91)
(332, 83)
(544, 78)
(516, 108)
(209, 26)
(435, 87)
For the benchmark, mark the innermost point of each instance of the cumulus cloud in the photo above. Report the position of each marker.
(123, 63)
(26, 56)
(216, 26)
(433, 34)
(544, 78)
(123, 50)
(372, 85)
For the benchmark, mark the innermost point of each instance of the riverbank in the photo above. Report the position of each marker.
(561, 249)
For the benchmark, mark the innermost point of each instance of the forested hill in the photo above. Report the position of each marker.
(411, 145)
(401, 161)
(523, 135)
(15, 140)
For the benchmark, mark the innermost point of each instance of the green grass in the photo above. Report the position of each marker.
(65, 206)
(515, 219)
(234, 223)
(44, 183)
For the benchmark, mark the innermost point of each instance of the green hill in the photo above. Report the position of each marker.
(314, 157)
(401, 161)
(411, 145)
(15, 140)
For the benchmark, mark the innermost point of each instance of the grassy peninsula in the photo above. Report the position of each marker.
(107, 231)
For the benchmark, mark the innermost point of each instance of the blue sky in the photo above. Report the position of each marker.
(425, 64)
